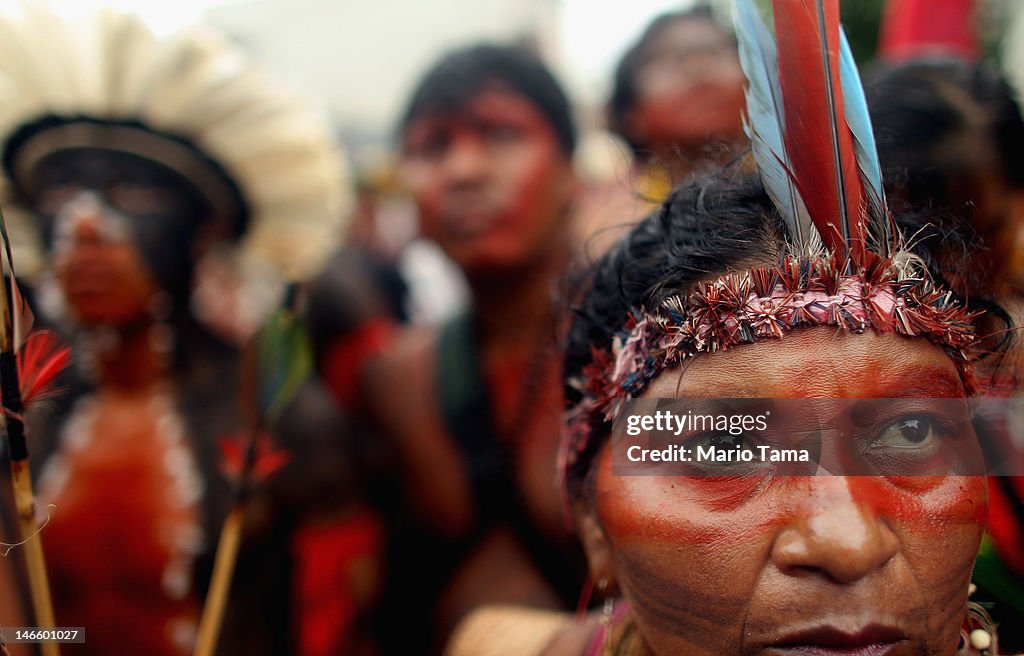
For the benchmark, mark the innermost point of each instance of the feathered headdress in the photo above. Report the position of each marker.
(190, 102)
(845, 266)
(810, 131)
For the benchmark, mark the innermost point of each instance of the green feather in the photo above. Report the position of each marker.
(285, 361)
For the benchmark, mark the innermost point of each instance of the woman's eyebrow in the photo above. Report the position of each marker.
(923, 381)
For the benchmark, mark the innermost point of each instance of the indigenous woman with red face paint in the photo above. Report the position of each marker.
(139, 156)
(792, 287)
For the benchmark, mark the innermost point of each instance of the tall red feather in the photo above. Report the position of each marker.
(819, 142)
(40, 360)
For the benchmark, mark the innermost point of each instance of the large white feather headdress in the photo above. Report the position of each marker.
(190, 92)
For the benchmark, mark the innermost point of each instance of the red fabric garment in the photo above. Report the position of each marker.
(1006, 532)
(324, 593)
(346, 356)
(1003, 525)
(918, 28)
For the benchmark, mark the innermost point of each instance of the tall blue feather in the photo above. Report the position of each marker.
(764, 122)
(859, 121)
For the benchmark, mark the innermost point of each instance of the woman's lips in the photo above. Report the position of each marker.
(472, 224)
(874, 640)
(876, 649)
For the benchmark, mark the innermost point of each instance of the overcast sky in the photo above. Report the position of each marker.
(325, 48)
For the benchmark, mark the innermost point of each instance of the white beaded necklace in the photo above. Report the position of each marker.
(185, 539)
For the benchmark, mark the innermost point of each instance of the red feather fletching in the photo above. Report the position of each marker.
(817, 137)
(40, 360)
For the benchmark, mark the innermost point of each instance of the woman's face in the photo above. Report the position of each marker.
(809, 565)
(119, 229)
(689, 88)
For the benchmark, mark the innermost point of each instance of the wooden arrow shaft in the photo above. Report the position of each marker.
(38, 581)
(220, 584)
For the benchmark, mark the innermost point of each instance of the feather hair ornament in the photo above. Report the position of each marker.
(40, 360)
(819, 143)
(807, 119)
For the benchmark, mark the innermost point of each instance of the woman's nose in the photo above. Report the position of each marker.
(835, 534)
(87, 229)
(84, 220)
(467, 159)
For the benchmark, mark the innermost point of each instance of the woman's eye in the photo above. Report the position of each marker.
(137, 199)
(727, 441)
(502, 133)
(427, 144)
(722, 447)
(724, 454)
(914, 432)
(53, 198)
(429, 148)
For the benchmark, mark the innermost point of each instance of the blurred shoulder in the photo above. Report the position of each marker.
(518, 631)
(409, 356)
(401, 381)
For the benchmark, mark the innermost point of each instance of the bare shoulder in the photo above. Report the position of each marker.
(519, 631)
(403, 374)
(412, 347)
(573, 639)
(404, 406)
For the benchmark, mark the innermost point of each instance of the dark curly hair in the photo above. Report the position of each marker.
(462, 74)
(947, 129)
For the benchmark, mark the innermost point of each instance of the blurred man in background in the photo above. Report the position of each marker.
(471, 412)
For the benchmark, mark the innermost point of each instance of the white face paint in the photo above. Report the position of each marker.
(83, 207)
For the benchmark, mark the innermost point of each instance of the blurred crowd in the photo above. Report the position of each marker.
(364, 368)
